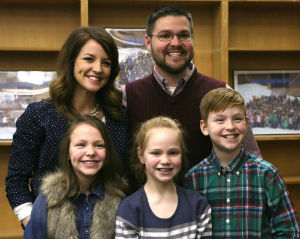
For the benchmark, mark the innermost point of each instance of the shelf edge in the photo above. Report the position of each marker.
(276, 137)
(292, 180)
(5, 142)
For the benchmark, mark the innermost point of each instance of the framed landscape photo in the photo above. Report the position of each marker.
(17, 90)
(134, 58)
(272, 99)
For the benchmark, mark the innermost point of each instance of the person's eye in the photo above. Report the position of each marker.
(100, 146)
(238, 119)
(80, 145)
(88, 59)
(155, 153)
(106, 63)
(184, 35)
(219, 120)
(165, 35)
(174, 152)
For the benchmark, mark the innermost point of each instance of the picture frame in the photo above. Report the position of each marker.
(272, 99)
(17, 90)
(135, 60)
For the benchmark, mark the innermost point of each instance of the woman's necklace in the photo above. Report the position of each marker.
(95, 111)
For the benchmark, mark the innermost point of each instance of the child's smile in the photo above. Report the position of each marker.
(226, 129)
(162, 155)
(87, 151)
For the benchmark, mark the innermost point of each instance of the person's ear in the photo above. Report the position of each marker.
(140, 155)
(148, 42)
(203, 127)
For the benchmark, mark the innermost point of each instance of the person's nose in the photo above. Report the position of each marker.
(229, 124)
(164, 159)
(97, 67)
(90, 151)
(175, 40)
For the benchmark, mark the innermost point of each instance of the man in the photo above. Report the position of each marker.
(174, 88)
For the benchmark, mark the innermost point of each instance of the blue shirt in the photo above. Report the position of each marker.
(37, 226)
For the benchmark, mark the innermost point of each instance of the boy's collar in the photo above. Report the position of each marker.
(235, 166)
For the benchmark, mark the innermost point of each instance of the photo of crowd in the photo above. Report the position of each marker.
(275, 111)
(272, 100)
(134, 58)
(17, 90)
(135, 66)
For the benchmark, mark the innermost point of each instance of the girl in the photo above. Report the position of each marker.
(160, 208)
(81, 198)
(85, 84)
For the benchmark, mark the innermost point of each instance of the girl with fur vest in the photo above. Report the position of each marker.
(80, 199)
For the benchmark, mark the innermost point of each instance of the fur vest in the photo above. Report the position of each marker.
(61, 220)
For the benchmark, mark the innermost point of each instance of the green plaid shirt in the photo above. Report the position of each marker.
(248, 198)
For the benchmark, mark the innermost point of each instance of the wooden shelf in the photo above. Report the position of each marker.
(264, 27)
(28, 49)
(263, 60)
(264, 3)
(36, 26)
(261, 2)
(35, 60)
(5, 143)
(276, 137)
(264, 50)
(292, 180)
(39, 2)
(159, 2)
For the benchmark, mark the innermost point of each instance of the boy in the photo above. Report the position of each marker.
(247, 195)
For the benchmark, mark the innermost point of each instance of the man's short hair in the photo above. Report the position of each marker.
(170, 10)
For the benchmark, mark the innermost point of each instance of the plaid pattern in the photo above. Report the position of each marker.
(248, 198)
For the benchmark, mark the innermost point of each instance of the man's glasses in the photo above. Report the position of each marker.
(168, 36)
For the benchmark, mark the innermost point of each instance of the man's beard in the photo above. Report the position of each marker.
(171, 70)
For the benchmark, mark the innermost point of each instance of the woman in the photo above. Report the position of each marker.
(87, 67)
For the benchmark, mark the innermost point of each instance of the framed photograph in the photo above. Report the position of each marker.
(17, 90)
(135, 60)
(272, 100)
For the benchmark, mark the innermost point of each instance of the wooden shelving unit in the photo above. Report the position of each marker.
(277, 137)
(228, 35)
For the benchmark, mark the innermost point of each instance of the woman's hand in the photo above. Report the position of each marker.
(25, 221)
